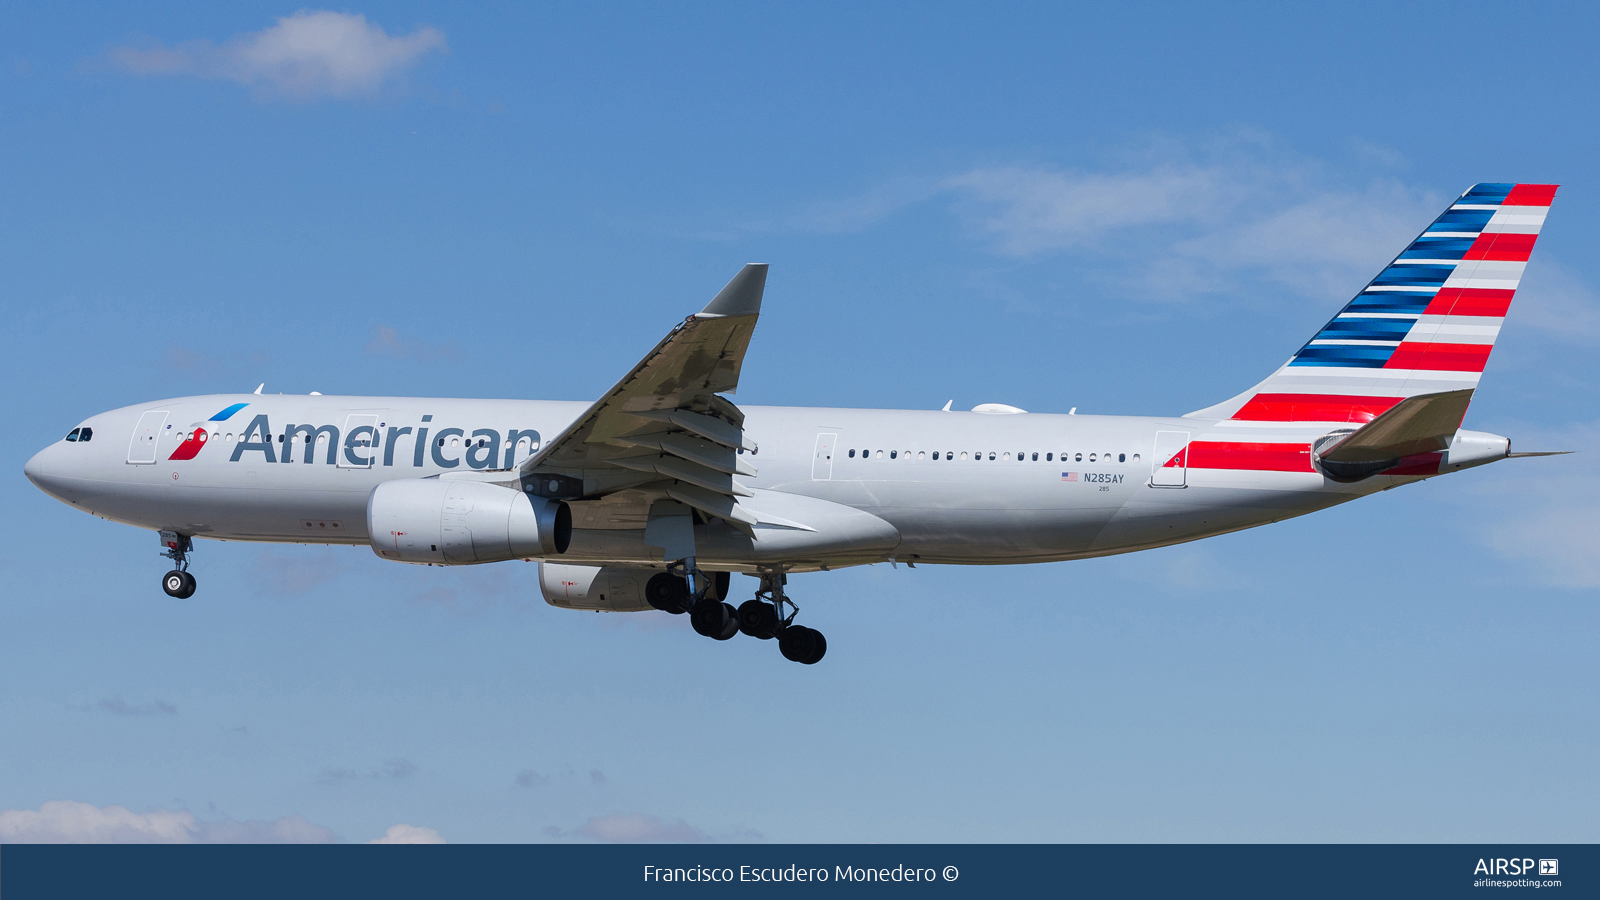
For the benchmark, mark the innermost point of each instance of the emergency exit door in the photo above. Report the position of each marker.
(1170, 462)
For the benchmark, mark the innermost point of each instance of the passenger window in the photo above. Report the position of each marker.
(991, 455)
(935, 454)
(1122, 457)
(1078, 458)
(1091, 457)
(880, 454)
(921, 455)
(963, 454)
(1036, 458)
(1136, 457)
(891, 454)
(852, 454)
(1005, 456)
(1049, 456)
(73, 435)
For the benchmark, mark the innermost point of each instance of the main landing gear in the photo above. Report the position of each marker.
(177, 583)
(770, 615)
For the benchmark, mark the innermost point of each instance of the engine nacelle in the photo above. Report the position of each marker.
(610, 588)
(457, 523)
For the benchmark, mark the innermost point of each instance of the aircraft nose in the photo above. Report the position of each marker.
(45, 476)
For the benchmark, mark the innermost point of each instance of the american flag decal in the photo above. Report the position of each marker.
(1069, 476)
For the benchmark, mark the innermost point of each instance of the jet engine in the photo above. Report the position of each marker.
(609, 588)
(456, 523)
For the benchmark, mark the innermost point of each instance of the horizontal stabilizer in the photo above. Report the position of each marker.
(1425, 423)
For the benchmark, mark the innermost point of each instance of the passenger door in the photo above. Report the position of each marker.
(146, 435)
(1170, 461)
(822, 460)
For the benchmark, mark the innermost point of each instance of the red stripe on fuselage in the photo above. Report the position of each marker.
(1502, 246)
(1440, 357)
(1531, 195)
(1257, 457)
(1313, 408)
(1469, 302)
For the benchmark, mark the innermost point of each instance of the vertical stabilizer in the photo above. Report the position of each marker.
(1425, 325)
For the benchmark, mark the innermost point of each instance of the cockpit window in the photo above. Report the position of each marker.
(84, 435)
(73, 435)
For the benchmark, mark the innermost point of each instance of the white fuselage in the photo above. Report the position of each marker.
(957, 487)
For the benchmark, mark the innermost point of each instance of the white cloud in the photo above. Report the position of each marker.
(311, 53)
(388, 341)
(1233, 217)
(409, 834)
(638, 829)
(1032, 210)
(71, 822)
(1554, 299)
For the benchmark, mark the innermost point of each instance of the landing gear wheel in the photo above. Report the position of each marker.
(758, 619)
(800, 644)
(668, 593)
(178, 584)
(718, 621)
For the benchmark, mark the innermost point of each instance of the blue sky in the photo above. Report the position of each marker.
(1139, 209)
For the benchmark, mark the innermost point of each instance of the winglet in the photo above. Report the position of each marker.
(742, 295)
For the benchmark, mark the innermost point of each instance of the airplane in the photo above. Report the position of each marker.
(650, 497)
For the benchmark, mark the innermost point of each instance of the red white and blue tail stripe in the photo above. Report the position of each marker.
(1426, 324)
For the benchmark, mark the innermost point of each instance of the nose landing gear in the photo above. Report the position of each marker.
(178, 582)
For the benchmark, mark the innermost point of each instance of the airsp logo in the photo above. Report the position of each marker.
(1515, 867)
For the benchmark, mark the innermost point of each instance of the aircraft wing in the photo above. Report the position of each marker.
(664, 425)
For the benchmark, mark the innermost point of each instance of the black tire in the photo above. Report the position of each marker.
(718, 621)
(758, 619)
(732, 627)
(709, 618)
(174, 583)
(189, 586)
(819, 649)
(800, 644)
(668, 593)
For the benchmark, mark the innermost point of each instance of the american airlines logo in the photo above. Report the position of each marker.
(367, 445)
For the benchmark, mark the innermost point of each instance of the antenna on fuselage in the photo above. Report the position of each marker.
(947, 405)
(259, 387)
